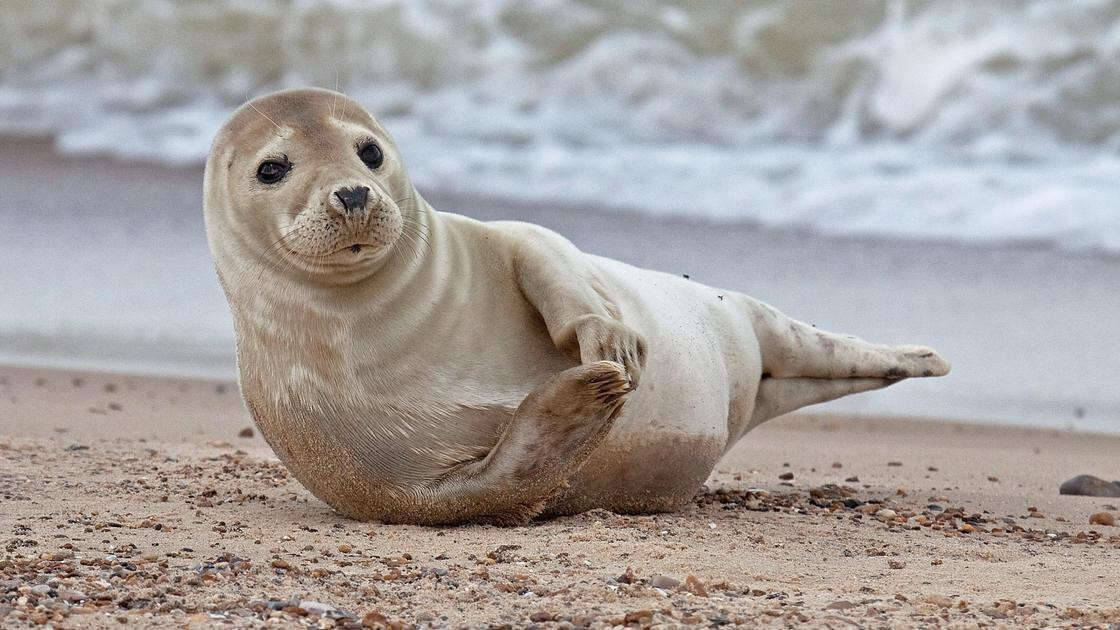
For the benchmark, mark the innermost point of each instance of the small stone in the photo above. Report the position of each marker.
(993, 478)
(693, 585)
(664, 582)
(852, 479)
(1102, 518)
(638, 617)
(541, 616)
(41, 589)
(316, 608)
(967, 529)
(828, 492)
(938, 600)
(1090, 486)
(374, 620)
(886, 514)
(71, 595)
(837, 465)
(894, 464)
(281, 564)
(344, 548)
(247, 432)
(843, 604)
(896, 564)
(786, 476)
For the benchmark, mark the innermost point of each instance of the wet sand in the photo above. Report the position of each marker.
(140, 501)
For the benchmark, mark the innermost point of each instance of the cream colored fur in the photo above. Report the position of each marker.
(411, 365)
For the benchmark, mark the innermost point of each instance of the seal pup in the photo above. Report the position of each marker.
(415, 366)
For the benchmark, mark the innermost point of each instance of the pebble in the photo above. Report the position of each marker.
(830, 491)
(41, 589)
(786, 476)
(938, 600)
(885, 514)
(664, 582)
(1090, 486)
(693, 585)
(247, 432)
(896, 564)
(316, 608)
(1103, 518)
(71, 595)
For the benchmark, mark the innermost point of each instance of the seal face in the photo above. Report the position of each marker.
(318, 189)
(410, 365)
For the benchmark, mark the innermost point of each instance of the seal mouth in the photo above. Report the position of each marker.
(354, 248)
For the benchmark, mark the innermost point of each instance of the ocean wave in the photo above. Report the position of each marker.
(987, 121)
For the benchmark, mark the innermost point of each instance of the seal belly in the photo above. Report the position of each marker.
(699, 385)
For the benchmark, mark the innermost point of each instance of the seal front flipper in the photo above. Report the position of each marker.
(567, 291)
(551, 435)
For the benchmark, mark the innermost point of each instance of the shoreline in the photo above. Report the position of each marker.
(808, 419)
(1020, 324)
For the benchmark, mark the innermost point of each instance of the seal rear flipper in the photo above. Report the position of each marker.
(552, 433)
(777, 396)
(794, 349)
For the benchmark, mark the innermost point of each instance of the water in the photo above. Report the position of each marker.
(983, 122)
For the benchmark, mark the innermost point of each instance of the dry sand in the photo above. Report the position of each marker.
(130, 500)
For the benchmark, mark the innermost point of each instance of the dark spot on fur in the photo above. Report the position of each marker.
(895, 372)
(828, 344)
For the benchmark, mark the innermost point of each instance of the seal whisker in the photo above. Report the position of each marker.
(279, 129)
(277, 245)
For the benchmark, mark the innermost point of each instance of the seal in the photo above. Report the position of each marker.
(415, 366)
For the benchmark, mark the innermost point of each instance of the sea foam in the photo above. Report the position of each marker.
(989, 122)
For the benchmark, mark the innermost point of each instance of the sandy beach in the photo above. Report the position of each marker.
(151, 501)
(146, 502)
(935, 173)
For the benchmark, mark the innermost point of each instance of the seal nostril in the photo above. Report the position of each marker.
(353, 199)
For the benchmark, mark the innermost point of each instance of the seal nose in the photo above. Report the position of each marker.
(353, 199)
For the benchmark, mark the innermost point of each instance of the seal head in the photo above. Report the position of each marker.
(308, 183)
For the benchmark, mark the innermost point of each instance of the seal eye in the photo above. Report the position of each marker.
(272, 171)
(371, 154)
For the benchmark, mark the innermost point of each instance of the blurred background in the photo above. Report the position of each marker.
(931, 171)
